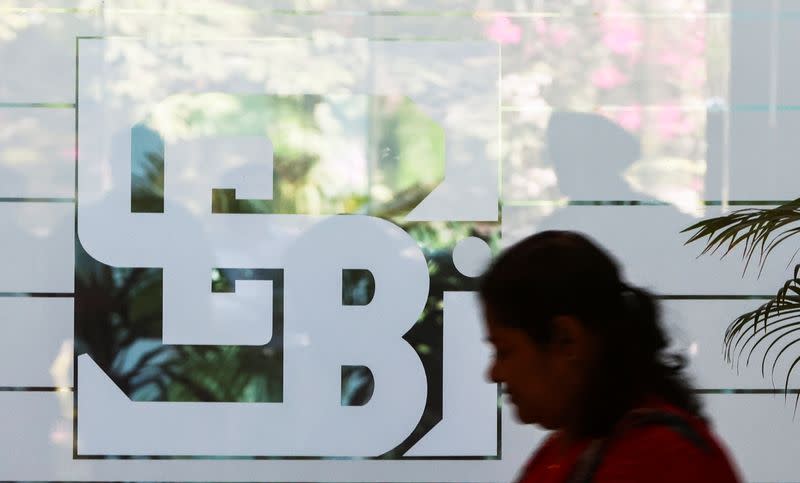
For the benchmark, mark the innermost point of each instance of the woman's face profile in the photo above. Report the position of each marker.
(542, 381)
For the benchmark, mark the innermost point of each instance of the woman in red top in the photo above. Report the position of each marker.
(582, 353)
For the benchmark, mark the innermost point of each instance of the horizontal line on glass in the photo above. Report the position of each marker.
(654, 107)
(35, 389)
(46, 10)
(714, 297)
(746, 391)
(762, 15)
(375, 13)
(638, 203)
(764, 107)
(283, 458)
(595, 108)
(698, 391)
(37, 200)
(300, 37)
(663, 297)
(659, 296)
(42, 105)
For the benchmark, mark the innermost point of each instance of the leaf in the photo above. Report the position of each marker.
(756, 231)
(781, 324)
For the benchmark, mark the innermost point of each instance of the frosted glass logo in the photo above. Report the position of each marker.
(203, 168)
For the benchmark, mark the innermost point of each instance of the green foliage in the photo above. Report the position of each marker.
(758, 232)
(403, 158)
(409, 145)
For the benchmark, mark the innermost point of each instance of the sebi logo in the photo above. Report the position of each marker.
(249, 279)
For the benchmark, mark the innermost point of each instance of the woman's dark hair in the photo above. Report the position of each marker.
(556, 273)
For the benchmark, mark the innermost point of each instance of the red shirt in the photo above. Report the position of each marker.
(647, 453)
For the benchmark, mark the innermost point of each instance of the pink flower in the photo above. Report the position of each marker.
(630, 119)
(504, 31)
(608, 78)
(670, 122)
(560, 36)
(540, 26)
(622, 36)
(670, 57)
(696, 42)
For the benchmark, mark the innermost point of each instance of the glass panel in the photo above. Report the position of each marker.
(241, 240)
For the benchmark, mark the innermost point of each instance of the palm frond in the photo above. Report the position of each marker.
(781, 327)
(758, 231)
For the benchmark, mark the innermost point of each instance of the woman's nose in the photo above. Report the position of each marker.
(492, 373)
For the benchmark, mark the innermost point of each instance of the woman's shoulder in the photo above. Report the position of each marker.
(552, 461)
(654, 443)
(663, 443)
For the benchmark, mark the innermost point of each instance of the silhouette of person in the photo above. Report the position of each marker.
(590, 154)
